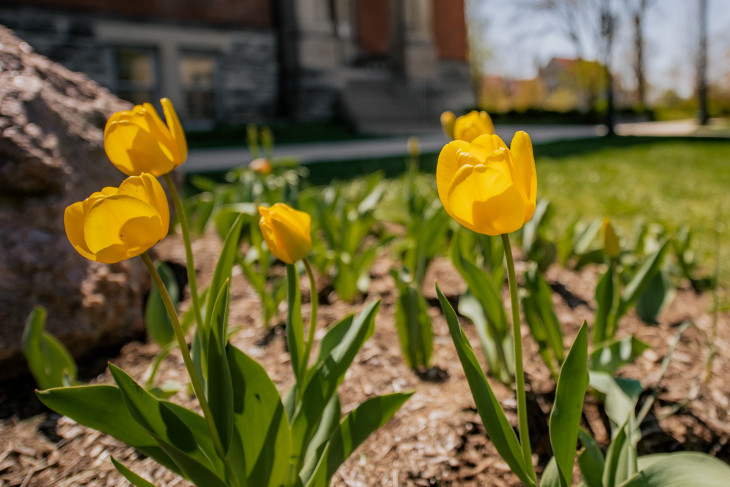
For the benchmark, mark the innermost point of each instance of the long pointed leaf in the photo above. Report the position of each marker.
(591, 461)
(328, 375)
(359, 424)
(128, 474)
(642, 279)
(680, 469)
(181, 433)
(490, 410)
(224, 267)
(101, 407)
(568, 407)
(260, 421)
(219, 389)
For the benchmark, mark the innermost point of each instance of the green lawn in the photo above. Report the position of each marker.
(669, 181)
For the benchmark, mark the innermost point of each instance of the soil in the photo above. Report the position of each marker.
(437, 437)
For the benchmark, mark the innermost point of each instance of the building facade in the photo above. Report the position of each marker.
(375, 63)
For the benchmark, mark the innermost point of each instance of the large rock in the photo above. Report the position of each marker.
(51, 155)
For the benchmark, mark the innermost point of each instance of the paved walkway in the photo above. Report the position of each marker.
(206, 160)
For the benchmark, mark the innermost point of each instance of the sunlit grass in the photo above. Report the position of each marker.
(668, 181)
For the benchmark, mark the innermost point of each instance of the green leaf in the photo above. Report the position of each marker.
(620, 459)
(680, 469)
(590, 461)
(219, 388)
(614, 355)
(101, 407)
(551, 476)
(135, 479)
(655, 299)
(495, 422)
(320, 441)
(294, 323)
(412, 321)
(495, 353)
(621, 396)
(260, 421)
(642, 279)
(359, 424)
(605, 297)
(326, 376)
(568, 407)
(182, 434)
(157, 321)
(223, 267)
(49, 361)
(543, 316)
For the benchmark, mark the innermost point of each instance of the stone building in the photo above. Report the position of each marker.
(379, 64)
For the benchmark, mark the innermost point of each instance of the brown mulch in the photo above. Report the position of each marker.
(437, 437)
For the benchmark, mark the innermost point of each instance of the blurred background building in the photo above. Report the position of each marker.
(377, 64)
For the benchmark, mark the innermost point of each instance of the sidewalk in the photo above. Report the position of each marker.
(208, 160)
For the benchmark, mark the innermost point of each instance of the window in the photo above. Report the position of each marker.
(137, 79)
(198, 77)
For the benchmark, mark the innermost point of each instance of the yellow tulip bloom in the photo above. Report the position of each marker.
(470, 126)
(115, 224)
(486, 186)
(610, 239)
(287, 232)
(138, 141)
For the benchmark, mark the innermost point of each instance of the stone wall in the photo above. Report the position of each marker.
(247, 59)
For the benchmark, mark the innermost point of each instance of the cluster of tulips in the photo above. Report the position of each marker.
(248, 434)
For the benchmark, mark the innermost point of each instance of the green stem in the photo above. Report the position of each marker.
(194, 380)
(192, 282)
(519, 367)
(314, 301)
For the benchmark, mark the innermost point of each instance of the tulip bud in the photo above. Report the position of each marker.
(261, 166)
(610, 239)
(287, 232)
(447, 124)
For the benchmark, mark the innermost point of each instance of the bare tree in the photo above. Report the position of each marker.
(637, 10)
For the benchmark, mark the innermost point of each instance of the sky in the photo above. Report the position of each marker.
(519, 41)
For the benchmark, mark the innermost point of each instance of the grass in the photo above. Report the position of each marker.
(668, 181)
(671, 181)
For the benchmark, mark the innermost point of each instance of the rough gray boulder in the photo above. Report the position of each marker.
(51, 155)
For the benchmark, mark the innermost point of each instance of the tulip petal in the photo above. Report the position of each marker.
(134, 150)
(524, 162)
(484, 199)
(73, 221)
(105, 222)
(176, 130)
(447, 166)
(146, 188)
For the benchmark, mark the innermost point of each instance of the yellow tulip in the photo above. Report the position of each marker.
(470, 126)
(287, 232)
(138, 141)
(261, 165)
(487, 187)
(115, 224)
(610, 239)
(447, 124)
